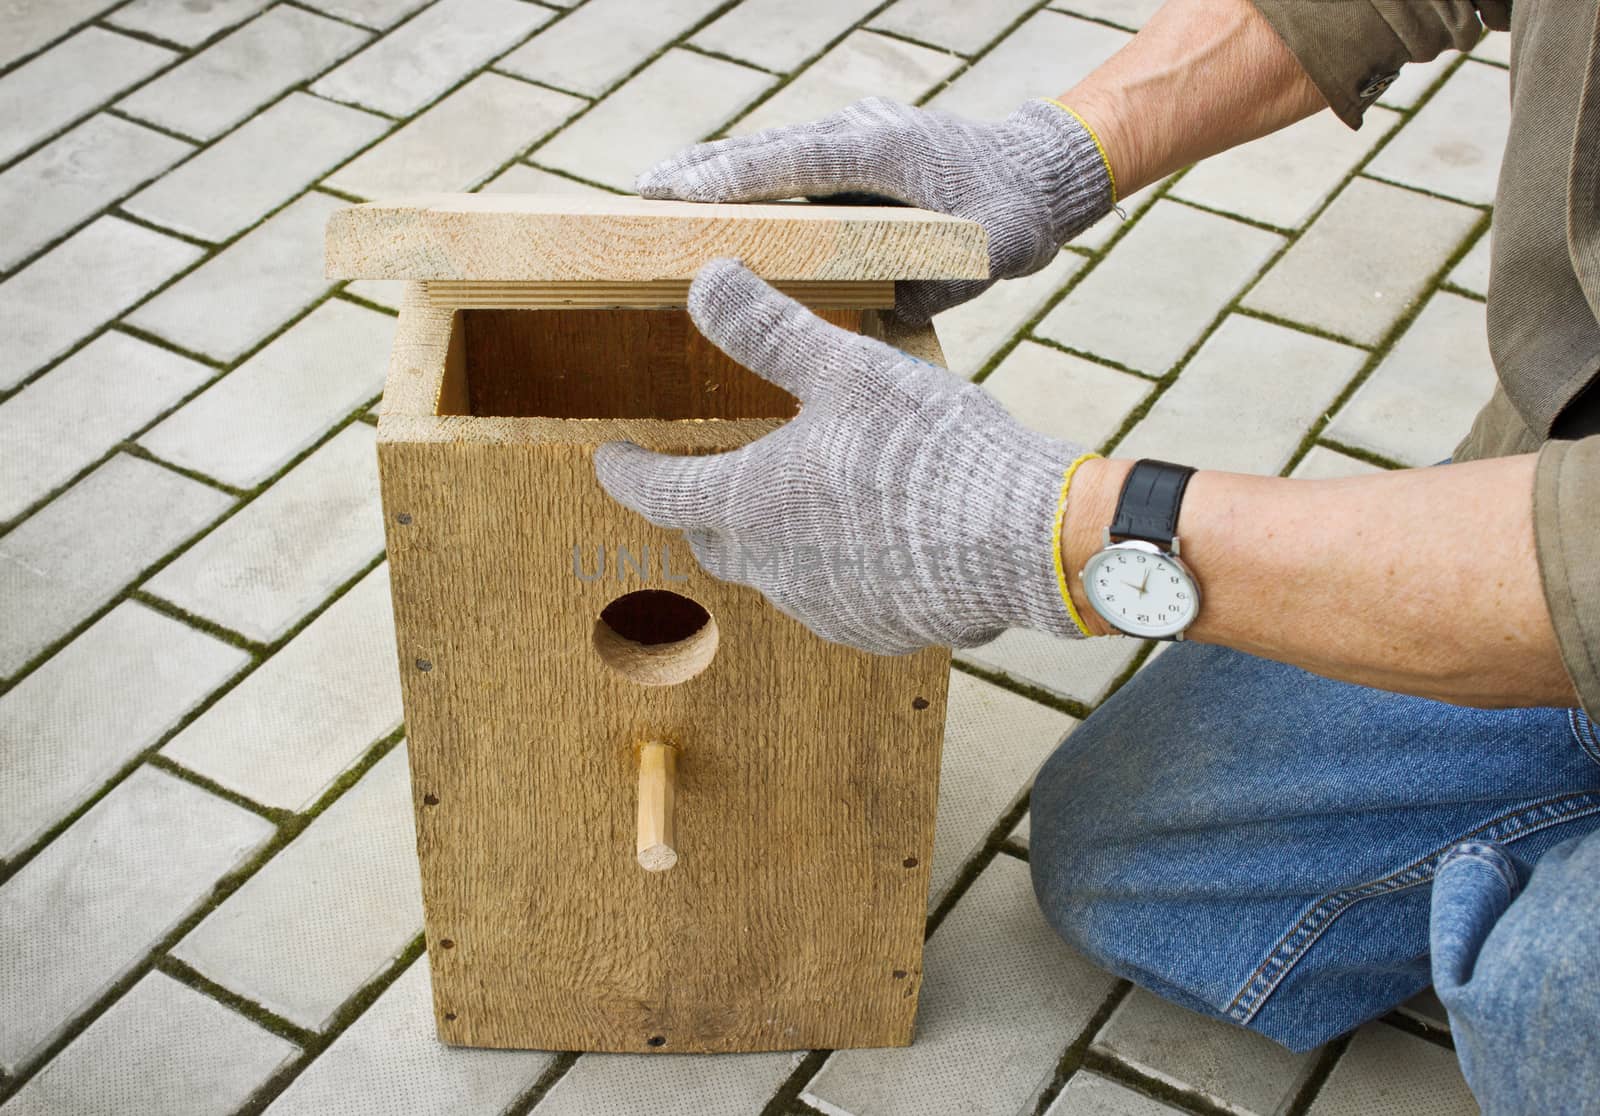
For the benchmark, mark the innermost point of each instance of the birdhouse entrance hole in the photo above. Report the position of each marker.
(600, 364)
(655, 637)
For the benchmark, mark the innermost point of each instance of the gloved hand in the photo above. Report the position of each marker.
(1033, 181)
(901, 508)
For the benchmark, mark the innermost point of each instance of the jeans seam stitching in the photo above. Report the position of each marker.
(1484, 853)
(1309, 928)
(1584, 731)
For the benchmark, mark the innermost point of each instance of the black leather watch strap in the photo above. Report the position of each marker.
(1150, 500)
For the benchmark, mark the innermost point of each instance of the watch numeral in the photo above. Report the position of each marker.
(1140, 559)
(1182, 596)
(1176, 580)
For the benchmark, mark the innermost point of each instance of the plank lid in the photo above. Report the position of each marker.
(565, 238)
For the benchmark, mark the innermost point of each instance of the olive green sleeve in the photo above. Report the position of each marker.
(1566, 531)
(1353, 49)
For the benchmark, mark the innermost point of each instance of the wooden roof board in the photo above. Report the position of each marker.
(565, 238)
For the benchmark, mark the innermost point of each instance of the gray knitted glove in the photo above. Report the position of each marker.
(901, 508)
(1033, 181)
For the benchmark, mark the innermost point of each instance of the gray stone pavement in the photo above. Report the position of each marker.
(208, 894)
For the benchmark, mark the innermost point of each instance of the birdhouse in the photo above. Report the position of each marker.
(653, 812)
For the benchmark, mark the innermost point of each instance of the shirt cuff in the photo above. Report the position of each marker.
(1353, 49)
(1566, 523)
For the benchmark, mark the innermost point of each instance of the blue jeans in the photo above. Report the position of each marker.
(1298, 856)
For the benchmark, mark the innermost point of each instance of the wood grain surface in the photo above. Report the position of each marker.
(806, 780)
(542, 295)
(564, 238)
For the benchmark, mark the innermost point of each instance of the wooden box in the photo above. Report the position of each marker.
(569, 732)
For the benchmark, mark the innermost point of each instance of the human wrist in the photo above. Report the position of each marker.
(1091, 505)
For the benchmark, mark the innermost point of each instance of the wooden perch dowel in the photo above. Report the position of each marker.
(658, 785)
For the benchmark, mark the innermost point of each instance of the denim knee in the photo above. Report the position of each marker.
(1518, 974)
(1089, 864)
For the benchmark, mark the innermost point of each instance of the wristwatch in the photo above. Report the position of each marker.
(1137, 581)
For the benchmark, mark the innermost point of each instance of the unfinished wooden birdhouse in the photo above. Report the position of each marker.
(653, 812)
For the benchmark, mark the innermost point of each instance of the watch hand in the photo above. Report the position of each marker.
(1145, 582)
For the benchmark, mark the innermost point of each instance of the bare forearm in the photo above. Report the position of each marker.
(1202, 76)
(1421, 581)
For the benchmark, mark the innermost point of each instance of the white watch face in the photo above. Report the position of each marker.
(1141, 590)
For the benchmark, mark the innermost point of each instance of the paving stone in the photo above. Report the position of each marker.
(67, 559)
(252, 287)
(107, 696)
(391, 1060)
(779, 34)
(1245, 400)
(283, 735)
(382, 292)
(1472, 273)
(66, 81)
(274, 406)
(161, 1048)
(71, 416)
(600, 44)
(87, 909)
(1387, 1070)
(1064, 396)
(75, 176)
(1495, 46)
(1099, 234)
(1132, 14)
(1160, 287)
(1426, 1007)
(520, 178)
(1002, 997)
(1023, 833)
(292, 546)
(1281, 179)
(458, 142)
(1079, 670)
(1234, 1068)
(415, 63)
(994, 741)
(378, 14)
(964, 28)
(1415, 79)
(635, 1085)
(1042, 58)
(78, 286)
(185, 22)
(1421, 399)
(970, 334)
(326, 915)
(239, 73)
(1343, 278)
(231, 185)
(678, 99)
(862, 65)
(1323, 463)
(30, 24)
(1453, 145)
(1088, 1094)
